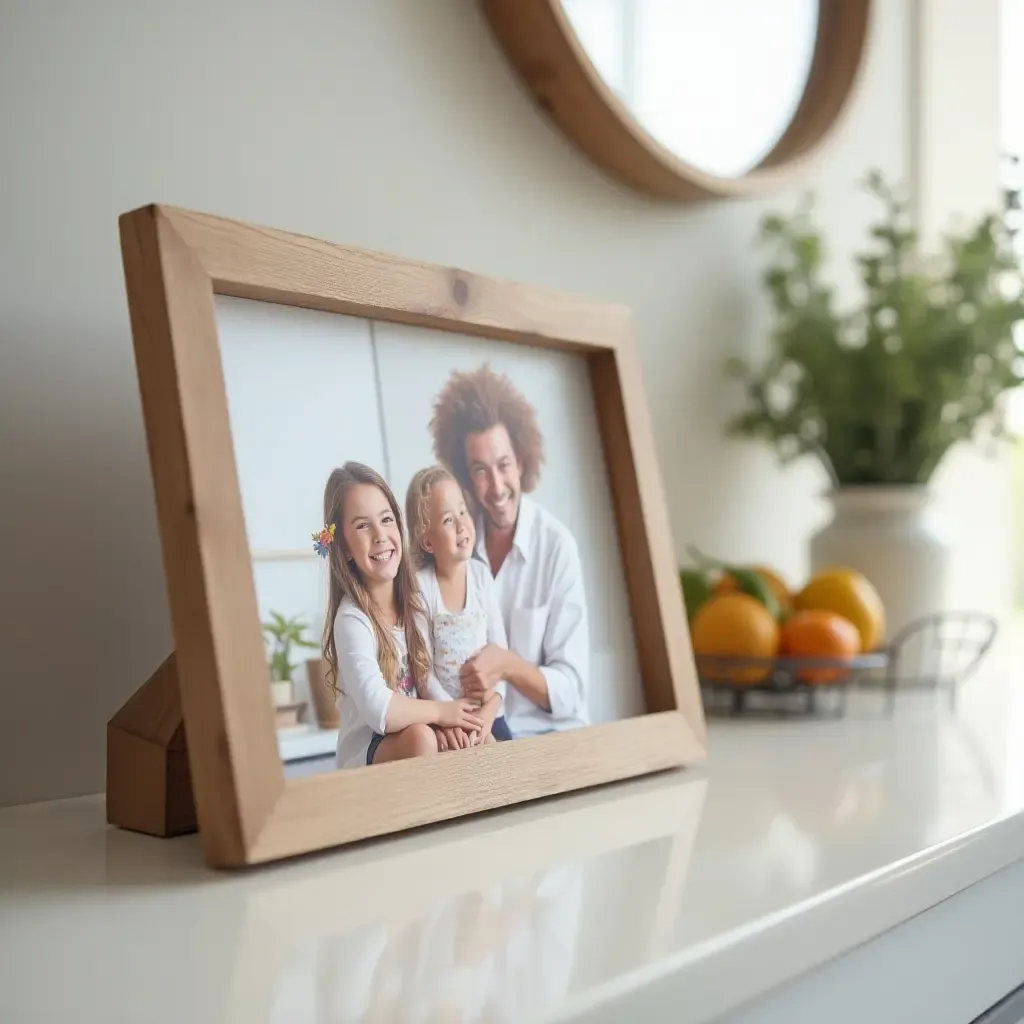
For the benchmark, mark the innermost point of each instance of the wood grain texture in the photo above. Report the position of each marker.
(262, 263)
(332, 809)
(153, 712)
(541, 45)
(174, 262)
(667, 665)
(221, 668)
(149, 786)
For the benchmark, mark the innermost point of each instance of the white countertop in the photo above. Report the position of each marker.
(306, 741)
(796, 842)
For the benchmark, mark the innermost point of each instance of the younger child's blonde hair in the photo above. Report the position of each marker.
(417, 510)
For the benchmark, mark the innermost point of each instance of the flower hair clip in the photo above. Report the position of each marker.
(323, 540)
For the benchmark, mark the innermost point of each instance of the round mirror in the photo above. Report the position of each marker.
(685, 70)
(688, 98)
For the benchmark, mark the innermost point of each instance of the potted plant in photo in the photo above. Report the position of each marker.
(880, 392)
(284, 635)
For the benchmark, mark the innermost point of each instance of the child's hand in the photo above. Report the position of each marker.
(482, 673)
(459, 714)
(456, 739)
(488, 712)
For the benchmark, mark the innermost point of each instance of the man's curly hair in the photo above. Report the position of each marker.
(476, 401)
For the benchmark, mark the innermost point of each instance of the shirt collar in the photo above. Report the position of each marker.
(521, 539)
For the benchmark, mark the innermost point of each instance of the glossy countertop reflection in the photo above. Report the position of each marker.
(806, 837)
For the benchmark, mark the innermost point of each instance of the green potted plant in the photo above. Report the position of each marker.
(284, 635)
(879, 392)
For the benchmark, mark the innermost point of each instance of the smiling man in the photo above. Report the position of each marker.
(486, 433)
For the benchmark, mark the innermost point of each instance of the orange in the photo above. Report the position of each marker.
(819, 634)
(736, 625)
(775, 583)
(850, 594)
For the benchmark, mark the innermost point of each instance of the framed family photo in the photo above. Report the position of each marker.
(445, 485)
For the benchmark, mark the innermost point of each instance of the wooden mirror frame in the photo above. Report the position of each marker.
(538, 39)
(194, 747)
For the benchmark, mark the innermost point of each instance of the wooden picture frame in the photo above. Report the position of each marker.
(228, 778)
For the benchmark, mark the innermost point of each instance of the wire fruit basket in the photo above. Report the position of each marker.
(937, 652)
(784, 685)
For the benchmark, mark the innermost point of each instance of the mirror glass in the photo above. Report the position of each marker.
(717, 84)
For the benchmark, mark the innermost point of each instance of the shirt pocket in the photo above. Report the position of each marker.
(526, 632)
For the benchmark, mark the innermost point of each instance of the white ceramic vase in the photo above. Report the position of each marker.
(894, 536)
(283, 692)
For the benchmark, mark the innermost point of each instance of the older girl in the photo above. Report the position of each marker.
(378, 660)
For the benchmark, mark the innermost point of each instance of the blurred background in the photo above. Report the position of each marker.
(1012, 135)
(400, 125)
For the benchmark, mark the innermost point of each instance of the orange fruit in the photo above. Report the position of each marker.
(850, 594)
(776, 584)
(736, 625)
(819, 634)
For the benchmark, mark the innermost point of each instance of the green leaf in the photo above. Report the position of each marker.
(285, 634)
(877, 379)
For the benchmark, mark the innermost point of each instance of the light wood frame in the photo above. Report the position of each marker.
(539, 41)
(175, 261)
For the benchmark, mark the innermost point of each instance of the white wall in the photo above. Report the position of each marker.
(394, 124)
(956, 150)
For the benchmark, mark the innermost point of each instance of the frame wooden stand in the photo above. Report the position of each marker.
(149, 787)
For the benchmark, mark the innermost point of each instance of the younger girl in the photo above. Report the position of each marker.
(377, 657)
(461, 604)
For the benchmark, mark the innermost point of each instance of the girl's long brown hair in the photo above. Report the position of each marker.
(345, 581)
